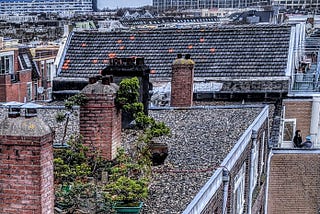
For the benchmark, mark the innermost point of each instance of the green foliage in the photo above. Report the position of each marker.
(60, 117)
(75, 100)
(128, 96)
(74, 171)
(71, 164)
(143, 121)
(127, 189)
(129, 178)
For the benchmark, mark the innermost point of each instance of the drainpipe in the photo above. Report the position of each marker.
(225, 180)
(254, 142)
(267, 181)
(315, 121)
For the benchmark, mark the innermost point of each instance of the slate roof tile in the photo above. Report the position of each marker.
(227, 51)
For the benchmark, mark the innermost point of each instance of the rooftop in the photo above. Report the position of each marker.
(221, 51)
(201, 138)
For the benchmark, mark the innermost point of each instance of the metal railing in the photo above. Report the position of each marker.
(308, 82)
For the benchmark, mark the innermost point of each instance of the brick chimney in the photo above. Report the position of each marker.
(26, 166)
(100, 121)
(182, 84)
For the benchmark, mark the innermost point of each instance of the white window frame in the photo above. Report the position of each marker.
(11, 59)
(239, 189)
(49, 69)
(287, 142)
(29, 91)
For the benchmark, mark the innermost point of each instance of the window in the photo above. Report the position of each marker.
(36, 91)
(29, 91)
(26, 60)
(288, 130)
(6, 64)
(49, 68)
(238, 193)
(42, 69)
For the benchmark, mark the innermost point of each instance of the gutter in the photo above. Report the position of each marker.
(63, 54)
(209, 107)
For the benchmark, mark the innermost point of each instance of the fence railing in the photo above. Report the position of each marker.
(306, 82)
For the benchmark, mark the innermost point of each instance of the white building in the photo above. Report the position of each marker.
(45, 6)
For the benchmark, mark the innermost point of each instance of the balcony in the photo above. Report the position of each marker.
(308, 82)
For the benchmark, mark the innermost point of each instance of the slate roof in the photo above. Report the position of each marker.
(225, 51)
(167, 20)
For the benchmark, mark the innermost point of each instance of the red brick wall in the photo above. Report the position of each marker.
(294, 184)
(10, 91)
(100, 124)
(182, 85)
(301, 111)
(26, 165)
(3, 90)
(18, 91)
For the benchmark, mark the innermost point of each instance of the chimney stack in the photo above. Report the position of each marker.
(100, 120)
(182, 82)
(26, 163)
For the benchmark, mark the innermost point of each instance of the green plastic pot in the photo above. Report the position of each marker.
(121, 207)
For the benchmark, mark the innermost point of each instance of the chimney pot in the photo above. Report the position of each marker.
(14, 109)
(30, 109)
(92, 80)
(106, 80)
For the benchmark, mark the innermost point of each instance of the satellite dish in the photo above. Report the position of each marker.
(40, 90)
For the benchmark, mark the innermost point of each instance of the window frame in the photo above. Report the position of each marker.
(7, 58)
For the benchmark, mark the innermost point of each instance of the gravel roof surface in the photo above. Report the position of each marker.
(200, 140)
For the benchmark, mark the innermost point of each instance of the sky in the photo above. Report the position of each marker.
(112, 4)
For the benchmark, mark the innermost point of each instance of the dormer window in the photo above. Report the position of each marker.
(26, 60)
(6, 64)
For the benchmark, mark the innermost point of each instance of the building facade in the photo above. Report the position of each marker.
(46, 6)
(44, 58)
(296, 4)
(17, 75)
(164, 5)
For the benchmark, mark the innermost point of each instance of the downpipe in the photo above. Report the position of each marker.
(254, 142)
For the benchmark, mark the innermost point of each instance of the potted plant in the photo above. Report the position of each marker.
(128, 194)
(128, 183)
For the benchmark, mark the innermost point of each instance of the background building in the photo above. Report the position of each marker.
(46, 6)
(310, 5)
(163, 5)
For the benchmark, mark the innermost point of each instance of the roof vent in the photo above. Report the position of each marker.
(14, 108)
(30, 109)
